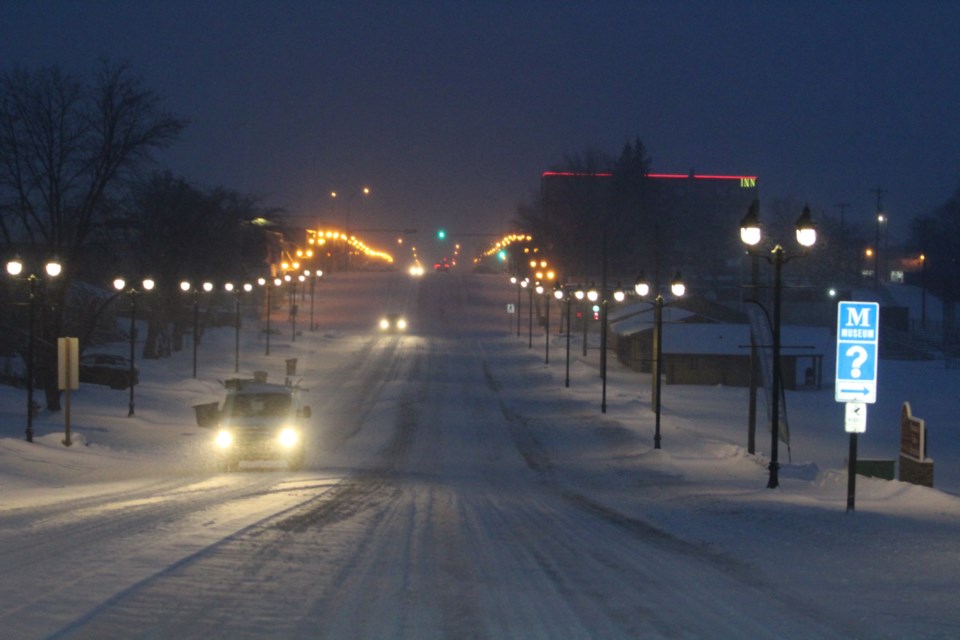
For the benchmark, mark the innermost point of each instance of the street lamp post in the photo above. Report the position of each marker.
(562, 294)
(876, 248)
(52, 269)
(365, 191)
(120, 284)
(526, 284)
(592, 295)
(580, 295)
(618, 296)
(293, 280)
(269, 285)
(186, 287)
(515, 280)
(541, 290)
(754, 358)
(751, 234)
(314, 276)
(923, 292)
(642, 289)
(236, 291)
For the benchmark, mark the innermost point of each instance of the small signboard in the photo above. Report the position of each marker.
(511, 308)
(913, 435)
(855, 418)
(68, 363)
(858, 333)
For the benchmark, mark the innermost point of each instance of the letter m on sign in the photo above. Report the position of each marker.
(858, 317)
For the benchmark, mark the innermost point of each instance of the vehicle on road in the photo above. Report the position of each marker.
(107, 369)
(257, 421)
(393, 323)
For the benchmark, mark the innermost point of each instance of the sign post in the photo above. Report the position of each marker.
(855, 382)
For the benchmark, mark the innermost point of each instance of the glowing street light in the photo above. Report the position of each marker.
(643, 288)
(313, 276)
(269, 284)
(806, 236)
(121, 285)
(52, 269)
(515, 280)
(231, 288)
(187, 287)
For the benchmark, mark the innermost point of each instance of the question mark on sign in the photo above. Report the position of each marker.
(859, 357)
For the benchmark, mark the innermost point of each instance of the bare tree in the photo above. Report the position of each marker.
(67, 149)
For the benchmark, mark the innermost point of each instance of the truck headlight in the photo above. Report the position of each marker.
(288, 437)
(224, 439)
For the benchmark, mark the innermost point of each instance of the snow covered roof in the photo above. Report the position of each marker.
(635, 318)
(734, 339)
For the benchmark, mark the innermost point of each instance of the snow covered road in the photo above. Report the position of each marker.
(429, 507)
(448, 533)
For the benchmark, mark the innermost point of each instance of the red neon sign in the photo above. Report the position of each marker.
(745, 181)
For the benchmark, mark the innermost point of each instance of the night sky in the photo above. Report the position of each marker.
(450, 111)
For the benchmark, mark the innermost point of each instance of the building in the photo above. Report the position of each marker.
(686, 221)
(702, 352)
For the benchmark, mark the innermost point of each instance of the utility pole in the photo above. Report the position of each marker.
(843, 207)
(876, 248)
(842, 236)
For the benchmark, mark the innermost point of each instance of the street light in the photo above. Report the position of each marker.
(314, 276)
(541, 290)
(751, 234)
(642, 288)
(592, 295)
(526, 284)
(365, 191)
(876, 254)
(120, 285)
(186, 287)
(580, 294)
(515, 280)
(562, 294)
(294, 307)
(230, 288)
(52, 269)
(618, 296)
(923, 292)
(269, 284)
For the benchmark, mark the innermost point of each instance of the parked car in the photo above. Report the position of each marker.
(107, 369)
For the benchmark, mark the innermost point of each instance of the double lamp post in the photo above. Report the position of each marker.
(751, 234)
(51, 269)
(121, 285)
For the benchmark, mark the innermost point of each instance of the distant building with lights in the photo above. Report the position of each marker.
(691, 221)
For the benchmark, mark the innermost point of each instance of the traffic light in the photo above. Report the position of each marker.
(502, 255)
(441, 234)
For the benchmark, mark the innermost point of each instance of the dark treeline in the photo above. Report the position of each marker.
(78, 184)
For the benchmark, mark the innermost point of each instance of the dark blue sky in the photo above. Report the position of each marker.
(450, 110)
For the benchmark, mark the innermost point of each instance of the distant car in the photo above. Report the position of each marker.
(393, 323)
(107, 369)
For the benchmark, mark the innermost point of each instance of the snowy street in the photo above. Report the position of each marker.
(452, 489)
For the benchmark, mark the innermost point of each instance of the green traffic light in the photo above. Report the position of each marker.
(441, 234)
